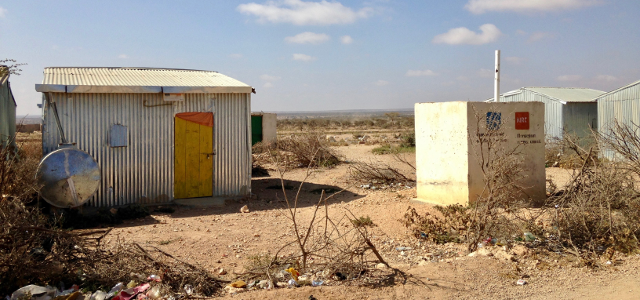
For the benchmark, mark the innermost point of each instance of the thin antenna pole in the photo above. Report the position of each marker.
(496, 82)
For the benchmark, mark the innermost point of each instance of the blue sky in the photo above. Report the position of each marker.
(332, 55)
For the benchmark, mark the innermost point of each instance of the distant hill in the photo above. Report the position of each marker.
(30, 119)
(356, 113)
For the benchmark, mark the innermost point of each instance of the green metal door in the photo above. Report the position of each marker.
(256, 129)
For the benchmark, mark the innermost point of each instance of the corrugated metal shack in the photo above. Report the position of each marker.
(566, 109)
(157, 134)
(7, 108)
(621, 105)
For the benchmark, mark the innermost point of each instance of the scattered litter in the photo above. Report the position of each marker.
(521, 282)
(529, 237)
(239, 284)
(98, 295)
(293, 273)
(154, 278)
(608, 262)
(244, 209)
(292, 283)
(39, 292)
(222, 271)
(403, 248)
(316, 282)
(188, 289)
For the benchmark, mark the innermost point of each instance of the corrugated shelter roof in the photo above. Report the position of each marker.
(568, 94)
(560, 94)
(137, 80)
(617, 90)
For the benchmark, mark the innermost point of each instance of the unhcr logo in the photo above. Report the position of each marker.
(494, 120)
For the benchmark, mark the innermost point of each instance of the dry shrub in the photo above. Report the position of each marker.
(363, 172)
(337, 248)
(310, 149)
(599, 208)
(34, 250)
(18, 167)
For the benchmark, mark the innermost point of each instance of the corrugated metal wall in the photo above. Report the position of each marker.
(623, 106)
(7, 112)
(143, 171)
(579, 118)
(552, 111)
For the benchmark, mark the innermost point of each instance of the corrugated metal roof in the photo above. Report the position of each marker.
(567, 94)
(617, 90)
(137, 80)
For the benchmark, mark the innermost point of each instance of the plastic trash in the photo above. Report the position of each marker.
(188, 289)
(132, 284)
(239, 284)
(154, 278)
(292, 283)
(403, 248)
(316, 282)
(521, 282)
(36, 291)
(293, 273)
(263, 284)
(529, 237)
(116, 288)
(98, 295)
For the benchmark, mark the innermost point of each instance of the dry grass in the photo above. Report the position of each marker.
(35, 249)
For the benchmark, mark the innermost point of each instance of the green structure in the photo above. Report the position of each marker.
(7, 108)
(256, 129)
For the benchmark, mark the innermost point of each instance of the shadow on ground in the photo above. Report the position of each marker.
(268, 195)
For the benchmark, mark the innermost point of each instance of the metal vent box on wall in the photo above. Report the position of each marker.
(448, 154)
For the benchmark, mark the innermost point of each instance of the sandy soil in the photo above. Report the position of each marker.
(222, 237)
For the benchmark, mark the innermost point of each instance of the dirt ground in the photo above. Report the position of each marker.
(222, 237)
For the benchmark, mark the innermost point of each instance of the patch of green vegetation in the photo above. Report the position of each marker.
(389, 149)
(363, 222)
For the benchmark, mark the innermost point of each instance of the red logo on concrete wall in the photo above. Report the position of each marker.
(522, 120)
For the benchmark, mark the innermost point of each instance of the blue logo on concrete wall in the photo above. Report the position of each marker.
(494, 120)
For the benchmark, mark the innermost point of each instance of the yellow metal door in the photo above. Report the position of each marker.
(193, 160)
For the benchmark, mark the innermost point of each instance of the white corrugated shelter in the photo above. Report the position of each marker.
(7, 109)
(566, 109)
(124, 119)
(621, 105)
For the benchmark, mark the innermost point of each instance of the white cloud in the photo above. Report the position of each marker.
(268, 85)
(462, 35)
(307, 38)
(521, 32)
(607, 78)
(538, 35)
(381, 82)
(514, 60)
(524, 6)
(235, 55)
(303, 57)
(486, 73)
(267, 77)
(568, 78)
(346, 39)
(298, 12)
(3, 12)
(416, 73)
(123, 56)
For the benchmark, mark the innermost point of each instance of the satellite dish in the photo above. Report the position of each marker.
(68, 176)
